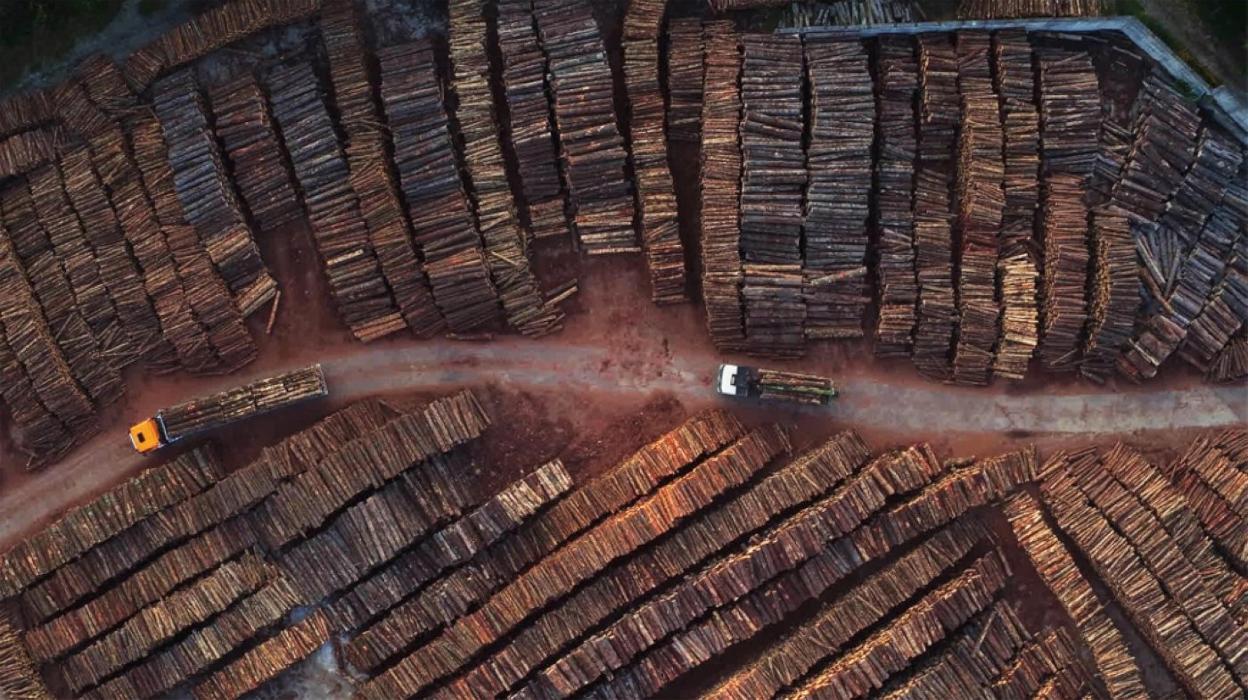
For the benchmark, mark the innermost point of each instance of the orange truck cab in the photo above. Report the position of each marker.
(146, 436)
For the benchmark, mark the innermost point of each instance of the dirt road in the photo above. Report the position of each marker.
(546, 366)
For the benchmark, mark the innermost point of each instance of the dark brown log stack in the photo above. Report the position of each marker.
(838, 199)
(1008, 9)
(243, 122)
(896, 142)
(980, 208)
(1115, 295)
(531, 130)
(720, 187)
(656, 194)
(591, 147)
(728, 5)
(206, 193)
(939, 115)
(504, 239)
(364, 301)
(442, 220)
(684, 79)
(26, 150)
(369, 166)
(1015, 82)
(24, 111)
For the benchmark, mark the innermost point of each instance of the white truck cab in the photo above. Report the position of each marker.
(732, 381)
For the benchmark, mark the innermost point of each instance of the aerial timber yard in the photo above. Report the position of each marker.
(611, 349)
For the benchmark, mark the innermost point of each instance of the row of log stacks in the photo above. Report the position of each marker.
(368, 161)
(363, 300)
(1148, 598)
(896, 149)
(1114, 298)
(209, 31)
(504, 239)
(1231, 363)
(647, 136)
(204, 189)
(26, 150)
(773, 180)
(1008, 9)
(591, 148)
(980, 206)
(247, 400)
(939, 118)
(244, 124)
(1225, 313)
(26, 110)
(1186, 255)
(1209, 476)
(684, 79)
(720, 187)
(1069, 123)
(1118, 106)
(530, 129)
(1015, 83)
(728, 5)
(442, 222)
(838, 204)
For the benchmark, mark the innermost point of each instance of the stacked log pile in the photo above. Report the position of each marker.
(531, 132)
(729, 5)
(980, 198)
(720, 187)
(1008, 9)
(26, 110)
(206, 194)
(1231, 364)
(647, 136)
(504, 240)
(794, 386)
(773, 178)
(442, 221)
(1069, 108)
(1166, 128)
(1209, 475)
(26, 150)
(250, 399)
(209, 31)
(838, 160)
(369, 165)
(896, 146)
(1118, 107)
(242, 120)
(1017, 270)
(939, 111)
(684, 79)
(850, 13)
(591, 148)
(1115, 295)
(364, 301)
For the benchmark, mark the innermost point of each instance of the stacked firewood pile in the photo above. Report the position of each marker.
(1020, 121)
(206, 194)
(209, 31)
(356, 284)
(237, 404)
(591, 147)
(684, 79)
(939, 115)
(721, 187)
(838, 160)
(773, 178)
(656, 194)
(896, 143)
(442, 220)
(369, 167)
(242, 121)
(980, 200)
(504, 240)
(1069, 109)
(1008, 9)
(532, 134)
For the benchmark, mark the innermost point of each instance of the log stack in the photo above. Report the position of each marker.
(368, 162)
(980, 200)
(206, 193)
(505, 241)
(939, 116)
(1115, 297)
(795, 387)
(592, 150)
(1017, 270)
(720, 187)
(251, 399)
(838, 161)
(896, 145)
(647, 134)
(531, 131)
(26, 150)
(773, 180)
(1009, 9)
(243, 122)
(684, 79)
(363, 300)
(442, 222)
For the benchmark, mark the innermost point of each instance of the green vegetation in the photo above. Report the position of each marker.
(1227, 20)
(35, 31)
(1133, 8)
(147, 8)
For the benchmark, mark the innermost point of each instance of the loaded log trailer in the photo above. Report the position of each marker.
(774, 385)
(205, 413)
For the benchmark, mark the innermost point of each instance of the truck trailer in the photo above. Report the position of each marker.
(774, 385)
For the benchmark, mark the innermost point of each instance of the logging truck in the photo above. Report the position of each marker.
(205, 413)
(774, 385)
